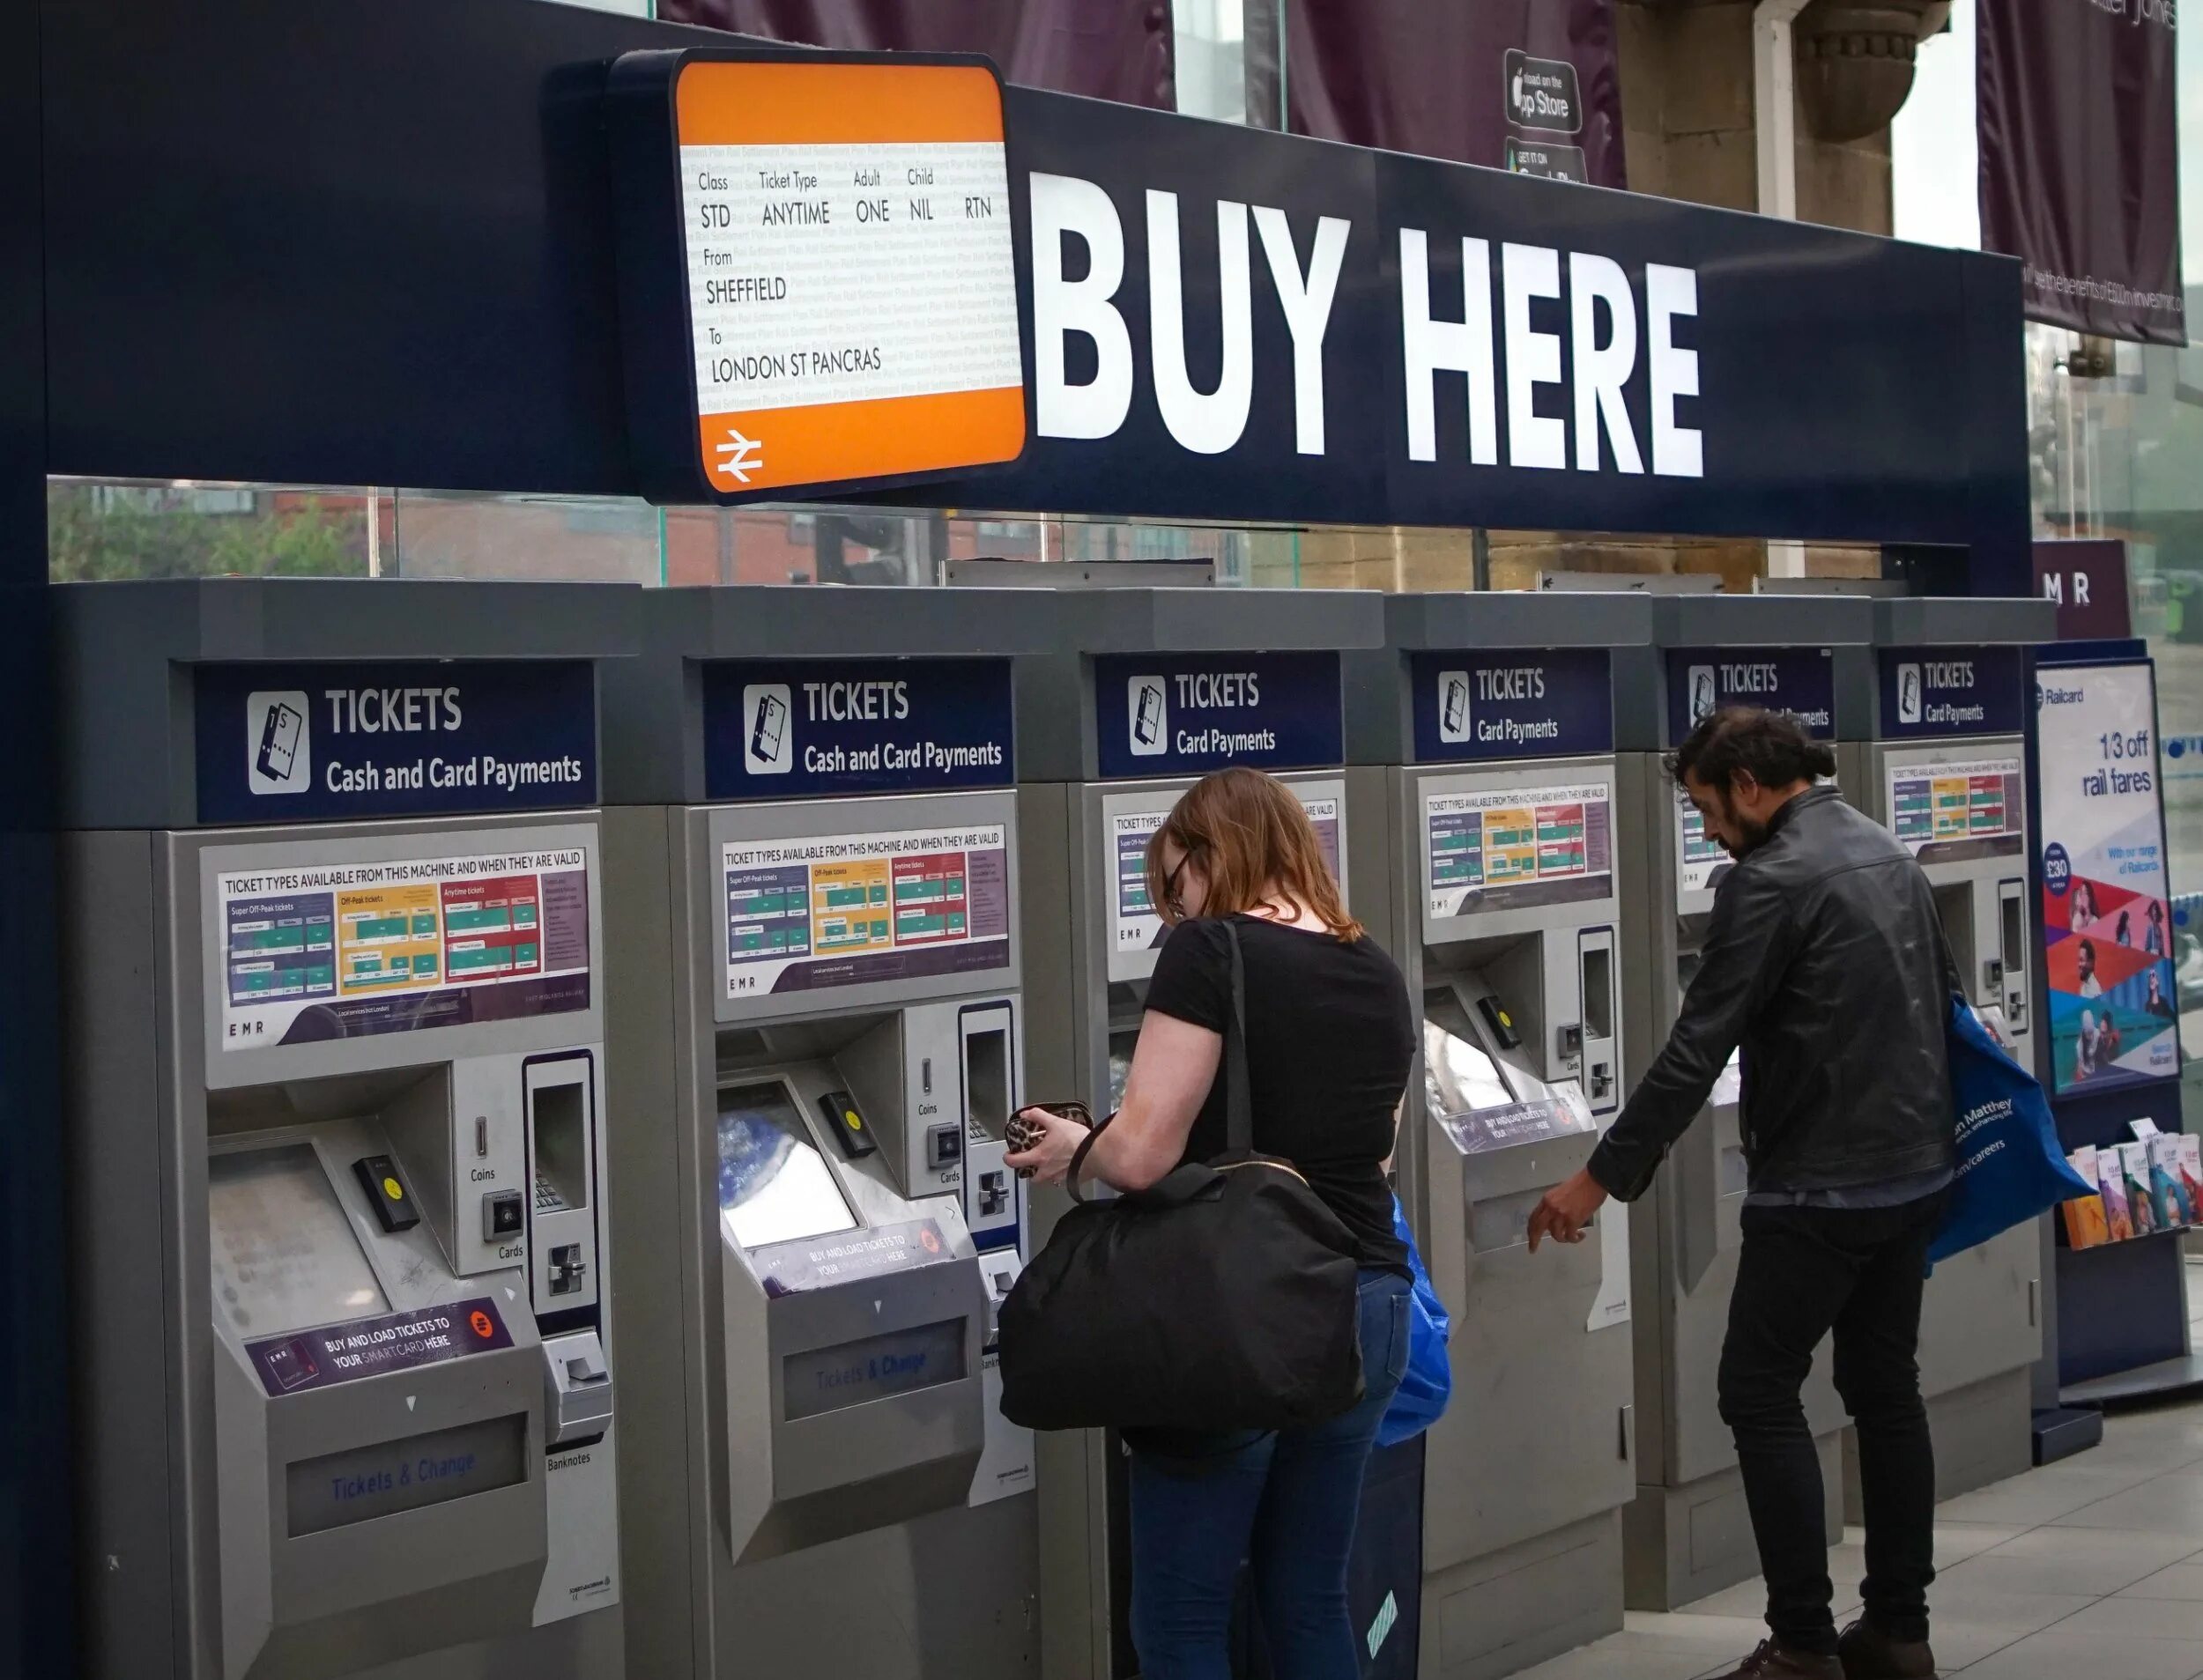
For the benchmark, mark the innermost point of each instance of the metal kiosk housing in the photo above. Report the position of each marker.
(817, 979)
(1687, 1533)
(1101, 723)
(1483, 795)
(317, 1440)
(1946, 770)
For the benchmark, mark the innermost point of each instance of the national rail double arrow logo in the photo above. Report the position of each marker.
(744, 458)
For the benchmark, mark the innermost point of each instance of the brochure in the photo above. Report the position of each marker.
(2141, 1202)
(2111, 1175)
(2191, 1172)
(2174, 1208)
(2085, 1223)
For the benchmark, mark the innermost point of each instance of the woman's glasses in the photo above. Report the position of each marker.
(1171, 900)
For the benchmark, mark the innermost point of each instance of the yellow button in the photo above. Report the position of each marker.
(392, 1188)
(849, 1116)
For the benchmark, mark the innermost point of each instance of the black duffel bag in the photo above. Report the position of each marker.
(1224, 1296)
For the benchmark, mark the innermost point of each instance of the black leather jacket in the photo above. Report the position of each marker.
(1825, 960)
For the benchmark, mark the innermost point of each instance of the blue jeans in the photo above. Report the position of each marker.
(1287, 1502)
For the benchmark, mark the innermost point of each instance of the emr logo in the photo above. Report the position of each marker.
(1148, 703)
(768, 740)
(279, 742)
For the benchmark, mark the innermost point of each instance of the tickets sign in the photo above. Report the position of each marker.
(1512, 703)
(1924, 692)
(770, 205)
(393, 738)
(1798, 680)
(783, 728)
(1179, 714)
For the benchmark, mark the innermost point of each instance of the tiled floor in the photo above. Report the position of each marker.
(2087, 1570)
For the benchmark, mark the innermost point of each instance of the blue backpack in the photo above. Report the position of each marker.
(2010, 1166)
(1428, 1383)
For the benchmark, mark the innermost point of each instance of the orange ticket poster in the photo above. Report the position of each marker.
(388, 937)
(850, 908)
(850, 272)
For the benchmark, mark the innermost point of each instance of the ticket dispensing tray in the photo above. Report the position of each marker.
(382, 1419)
(866, 1410)
(1518, 1134)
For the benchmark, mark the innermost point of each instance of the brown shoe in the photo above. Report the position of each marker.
(1772, 1661)
(1868, 1653)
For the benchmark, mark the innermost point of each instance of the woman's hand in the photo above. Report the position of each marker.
(1050, 1160)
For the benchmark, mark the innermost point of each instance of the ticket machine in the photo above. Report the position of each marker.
(1945, 773)
(1484, 796)
(1168, 685)
(348, 1388)
(1688, 1533)
(818, 972)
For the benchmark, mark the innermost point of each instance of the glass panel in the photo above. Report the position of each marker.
(100, 532)
(773, 1184)
(1210, 50)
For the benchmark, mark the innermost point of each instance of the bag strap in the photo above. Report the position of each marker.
(1239, 1107)
(1078, 1156)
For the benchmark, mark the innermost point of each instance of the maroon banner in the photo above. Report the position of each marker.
(1527, 85)
(2087, 578)
(2080, 161)
(1107, 49)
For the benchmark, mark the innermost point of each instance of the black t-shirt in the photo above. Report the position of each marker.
(1330, 1039)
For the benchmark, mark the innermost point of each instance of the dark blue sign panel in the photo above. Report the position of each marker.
(334, 742)
(1184, 715)
(1798, 680)
(1410, 337)
(1512, 703)
(798, 727)
(1924, 692)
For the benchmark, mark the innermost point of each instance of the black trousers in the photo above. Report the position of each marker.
(1805, 1273)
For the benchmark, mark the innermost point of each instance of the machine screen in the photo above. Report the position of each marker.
(285, 1256)
(1728, 1085)
(774, 1185)
(1121, 1044)
(1459, 1077)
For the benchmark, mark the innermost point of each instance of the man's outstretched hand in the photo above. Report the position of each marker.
(1566, 1211)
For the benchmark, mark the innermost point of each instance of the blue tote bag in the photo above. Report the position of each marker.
(2010, 1166)
(1429, 1382)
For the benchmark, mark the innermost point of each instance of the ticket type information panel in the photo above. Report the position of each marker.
(852, 909)
(1502, 848)
(810, 192)
(1978, 805)
(1699, 857)
(352, 949)
(1135, 921)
